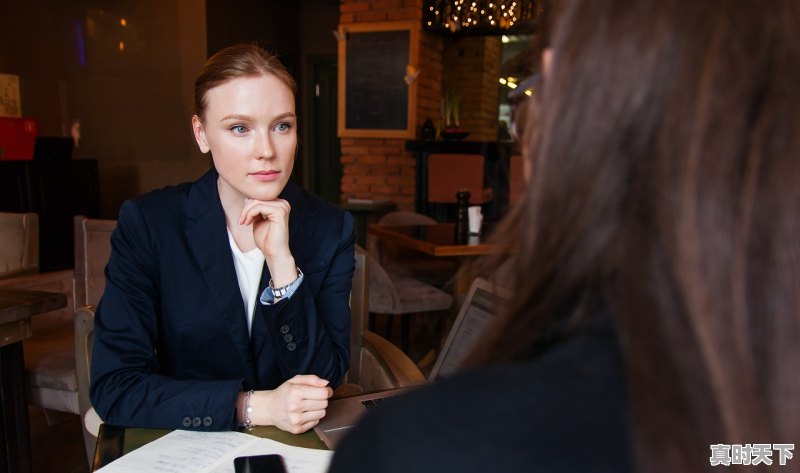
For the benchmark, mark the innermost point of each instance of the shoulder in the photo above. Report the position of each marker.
(564, 411)
(171, 203)
(313, 211)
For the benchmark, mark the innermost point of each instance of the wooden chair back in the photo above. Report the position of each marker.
(449, 173)
(84, 328)
(92, 249)
(359, 314)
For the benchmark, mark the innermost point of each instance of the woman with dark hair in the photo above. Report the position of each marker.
(219, 309)
(658, 268)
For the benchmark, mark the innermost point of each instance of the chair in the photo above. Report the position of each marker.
(407, 262)
(450, 173)
(90, 421)
(393, 294)
(19, 252)
(92, 249)
(375, 363)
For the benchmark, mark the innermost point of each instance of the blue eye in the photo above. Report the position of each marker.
(283, 127)
(240, 129)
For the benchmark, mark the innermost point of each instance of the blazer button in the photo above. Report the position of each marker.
(291, 346)
(196, 422)
(288, 338)
(187, 421)
(207, 421)
(284, 329)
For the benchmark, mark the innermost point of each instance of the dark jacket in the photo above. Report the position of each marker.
(171, 346)
(564, 411)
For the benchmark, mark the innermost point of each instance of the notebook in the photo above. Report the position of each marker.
(477, 312)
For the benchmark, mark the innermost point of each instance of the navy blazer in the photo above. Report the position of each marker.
(171, 346)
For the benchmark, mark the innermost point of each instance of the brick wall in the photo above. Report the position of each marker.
(380, 168)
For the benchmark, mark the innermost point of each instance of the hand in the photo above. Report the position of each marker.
(270, 222)
(295, 406)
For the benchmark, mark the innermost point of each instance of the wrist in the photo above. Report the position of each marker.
(246, 410)
(282, 270)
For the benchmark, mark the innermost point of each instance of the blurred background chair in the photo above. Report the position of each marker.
(375, 364)
(90, 421)
(402, 261)
(451, 173)
(404, 296)
(92, 249)
(19, 250)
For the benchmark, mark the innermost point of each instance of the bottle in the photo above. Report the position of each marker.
(462, 215)
(428, 131)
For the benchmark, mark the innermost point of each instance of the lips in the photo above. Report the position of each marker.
(265, 176)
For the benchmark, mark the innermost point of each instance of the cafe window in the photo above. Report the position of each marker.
(517, 63)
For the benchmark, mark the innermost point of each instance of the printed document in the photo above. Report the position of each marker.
(183, 451)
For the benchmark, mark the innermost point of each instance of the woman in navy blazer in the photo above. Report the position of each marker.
(226, 299)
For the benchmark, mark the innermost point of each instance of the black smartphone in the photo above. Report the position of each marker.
(259, 464)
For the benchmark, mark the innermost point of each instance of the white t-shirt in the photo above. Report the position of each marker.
(248, 271)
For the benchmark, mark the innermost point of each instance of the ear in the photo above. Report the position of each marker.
(200, 134)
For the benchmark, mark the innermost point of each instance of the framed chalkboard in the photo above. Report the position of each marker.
(377, 94)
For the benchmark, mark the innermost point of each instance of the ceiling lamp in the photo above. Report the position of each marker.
(480, 17)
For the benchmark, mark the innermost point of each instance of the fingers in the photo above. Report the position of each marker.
(273, 210)
(309, 379)
(300, 405)
(301, 427)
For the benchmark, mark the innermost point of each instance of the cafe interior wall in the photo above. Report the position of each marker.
(131, 86)
(381, 168)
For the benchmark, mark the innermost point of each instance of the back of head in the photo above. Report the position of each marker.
(665, 190)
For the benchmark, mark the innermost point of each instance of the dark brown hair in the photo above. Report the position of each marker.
(241, 60)
(665, 191)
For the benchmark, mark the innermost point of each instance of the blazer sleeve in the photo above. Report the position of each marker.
(126, 386)
(311, 330)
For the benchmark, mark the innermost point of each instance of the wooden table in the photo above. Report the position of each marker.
(438, 240)
(114, 441)
(17, 306)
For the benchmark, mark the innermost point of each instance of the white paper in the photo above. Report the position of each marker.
(183, 451)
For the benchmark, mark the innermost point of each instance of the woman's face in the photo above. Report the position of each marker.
(250, 128)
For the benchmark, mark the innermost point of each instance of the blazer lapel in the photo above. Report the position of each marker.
(207, 236)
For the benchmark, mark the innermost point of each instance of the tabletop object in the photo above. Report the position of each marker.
(114, 441)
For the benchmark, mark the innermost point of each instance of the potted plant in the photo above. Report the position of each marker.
(451, 104)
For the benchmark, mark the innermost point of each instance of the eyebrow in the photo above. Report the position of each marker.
(247, 117)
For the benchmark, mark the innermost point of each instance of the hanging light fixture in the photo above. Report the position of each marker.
(479, 17)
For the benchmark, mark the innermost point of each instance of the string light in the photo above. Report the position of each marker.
(478, 16)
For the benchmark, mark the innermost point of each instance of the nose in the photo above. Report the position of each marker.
(264, 146)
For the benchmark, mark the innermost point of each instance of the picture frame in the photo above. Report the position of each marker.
(377, 87)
